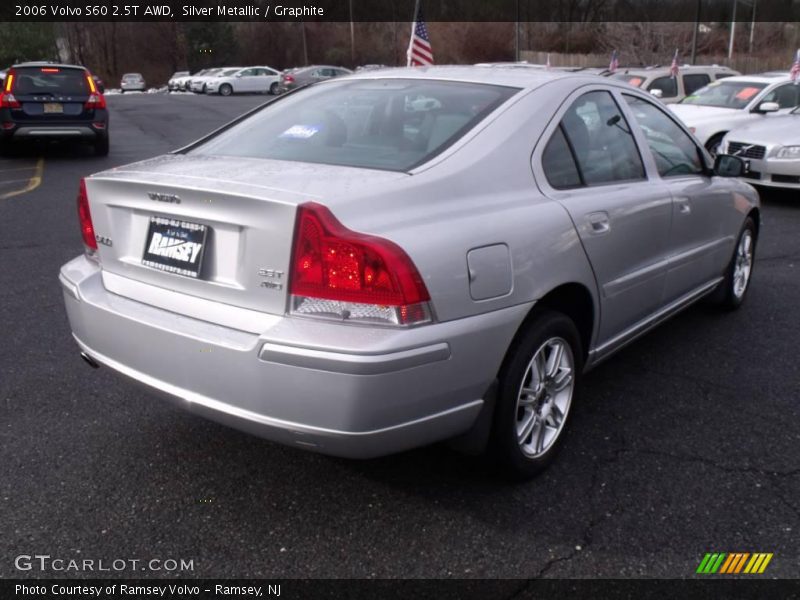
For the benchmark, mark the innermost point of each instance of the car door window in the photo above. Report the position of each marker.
(558, 163)
(785, 95)
(692, 83)
(601, 140)
(248, 73)
(674, 151)
(667, 85)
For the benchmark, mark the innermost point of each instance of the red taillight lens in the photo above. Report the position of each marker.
(7, 99)
(288, 78)
(85, 218)
(96, 100)
(352, 276)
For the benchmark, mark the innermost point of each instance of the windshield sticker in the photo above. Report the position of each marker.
(636, 81)
(747, 93)
(300, 132)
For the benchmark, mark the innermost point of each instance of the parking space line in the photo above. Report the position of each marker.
(32, 182)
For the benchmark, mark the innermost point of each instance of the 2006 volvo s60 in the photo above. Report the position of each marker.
(388, 260)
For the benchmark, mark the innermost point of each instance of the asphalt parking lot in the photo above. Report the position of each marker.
(685, 443)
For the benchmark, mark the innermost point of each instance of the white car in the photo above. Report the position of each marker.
(721, 106)
(772, 149)
(248, 80)
(198, 82)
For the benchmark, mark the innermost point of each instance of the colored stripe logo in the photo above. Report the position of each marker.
(734, 563)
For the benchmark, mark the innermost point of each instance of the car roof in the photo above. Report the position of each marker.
(44, 63)
(511, 77)
(658, 70)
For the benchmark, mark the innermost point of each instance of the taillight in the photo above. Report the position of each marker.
(85, 218)
(340, 274)
(288, 78)
(96, 99)
(7, 99)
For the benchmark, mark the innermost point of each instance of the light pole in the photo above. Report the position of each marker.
(733, 32)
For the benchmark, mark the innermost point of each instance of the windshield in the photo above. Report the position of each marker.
(634, 80)
(391, 124)
(726, 94)
(50, 80)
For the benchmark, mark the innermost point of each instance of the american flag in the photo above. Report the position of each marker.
(795, 72)
(614, 64)
(420, 53)
(673, 69)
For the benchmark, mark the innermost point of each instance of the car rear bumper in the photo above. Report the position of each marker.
(59, 131)
(380, 391)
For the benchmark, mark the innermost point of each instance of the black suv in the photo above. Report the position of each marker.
(45, 101)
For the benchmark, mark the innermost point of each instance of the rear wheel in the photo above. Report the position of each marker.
(225, 89)
(273, 89)
(731, 292)
(538, 383)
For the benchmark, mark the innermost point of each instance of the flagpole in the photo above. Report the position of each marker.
(413, 24)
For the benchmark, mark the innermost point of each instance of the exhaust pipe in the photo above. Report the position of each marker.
(89, 360)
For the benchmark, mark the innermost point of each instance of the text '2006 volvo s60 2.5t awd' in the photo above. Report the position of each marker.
(391, 259)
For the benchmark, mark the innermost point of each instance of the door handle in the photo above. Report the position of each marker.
(599, 222)
(684, 207)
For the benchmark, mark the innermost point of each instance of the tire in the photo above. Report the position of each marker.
(225, 89)
(732, 290)
(122, 91)
(101, 146)
(712, 145)
(527, 432)
(273, 89)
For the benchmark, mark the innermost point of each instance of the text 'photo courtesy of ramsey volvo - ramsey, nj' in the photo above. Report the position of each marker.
(394, 258)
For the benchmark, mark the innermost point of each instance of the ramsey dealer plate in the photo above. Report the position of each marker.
(53, 108)
(175, 246)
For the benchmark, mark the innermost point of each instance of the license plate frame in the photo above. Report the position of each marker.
(176, 249)
(53, 108)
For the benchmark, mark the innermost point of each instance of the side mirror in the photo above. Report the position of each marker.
(657, 93)
(238, 75)
(727, 165)
(768, 107)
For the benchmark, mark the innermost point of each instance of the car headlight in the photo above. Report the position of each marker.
(789, 152)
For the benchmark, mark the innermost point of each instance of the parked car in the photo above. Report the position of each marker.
(299, 77)
(260, 80)
(197, 83)
(174, 83)
(132, 82)
(48, 101)
(400, 295)
(712, 111)
(772, 148)
(660, 82)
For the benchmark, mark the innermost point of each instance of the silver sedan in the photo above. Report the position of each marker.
(772, 148)
(396, 258)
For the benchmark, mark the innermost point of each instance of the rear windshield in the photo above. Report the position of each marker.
(50, 80)
(391, 124)
(131, 77)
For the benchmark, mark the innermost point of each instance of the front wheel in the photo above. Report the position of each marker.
(713, 144)
(225, 90)
(538, 384)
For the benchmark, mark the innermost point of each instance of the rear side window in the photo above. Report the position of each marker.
(391, 124)
(667, 85)
(692, 83)
(559, 164)
(601, 140)
(50, 80)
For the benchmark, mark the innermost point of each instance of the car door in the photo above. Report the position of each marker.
(592, 166)
(699, 247)
(246, 81)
